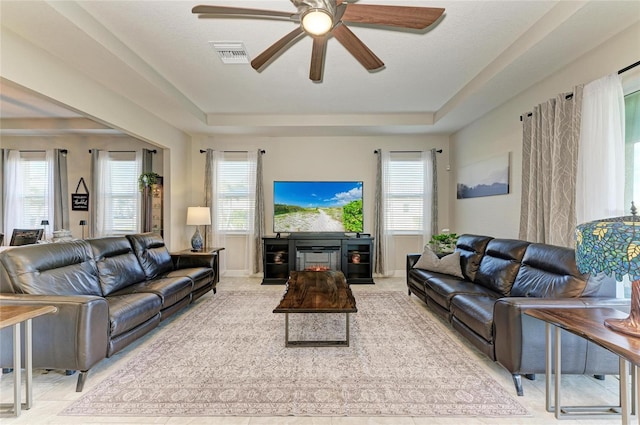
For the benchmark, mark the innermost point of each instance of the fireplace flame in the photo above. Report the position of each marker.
(317, 268)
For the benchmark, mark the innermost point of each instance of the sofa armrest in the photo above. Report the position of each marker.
(75, 337)
(520, 339)
(412, 259)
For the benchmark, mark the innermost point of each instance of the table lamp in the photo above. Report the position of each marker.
(83, 223)
(44, 224)
(612, 246)
(197, 216)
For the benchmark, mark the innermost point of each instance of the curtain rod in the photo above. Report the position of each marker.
(64, 151)
(261, 151)
(625, 69)
(116, 151)
(377, 151)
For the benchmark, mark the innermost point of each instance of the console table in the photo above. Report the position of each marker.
(14, 315)
(352, 255)
(589, 324)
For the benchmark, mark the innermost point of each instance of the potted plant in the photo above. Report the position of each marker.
(147, 180)
(443, 243)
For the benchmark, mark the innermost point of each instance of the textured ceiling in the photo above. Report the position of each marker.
(157, 55)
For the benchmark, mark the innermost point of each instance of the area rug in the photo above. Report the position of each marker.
(227, 357)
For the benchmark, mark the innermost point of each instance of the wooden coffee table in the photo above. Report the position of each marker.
(316, 292)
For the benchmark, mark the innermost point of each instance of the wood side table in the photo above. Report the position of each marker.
(588, 323)
(14, 315)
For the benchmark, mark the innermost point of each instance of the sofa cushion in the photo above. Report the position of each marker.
(200, 276)
(130, 310)
(550, 271)
(169, 289)
(65, 268)
(152, 254)
(500, 264)
(441, 288)
(471, 248)
(476, 312)
(449, 264)
(118, 266)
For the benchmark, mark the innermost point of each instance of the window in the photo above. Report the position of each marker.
(28, 196)
(632, 149)
(118, 200)
(235, 193)
(35, 197)
(405, 193)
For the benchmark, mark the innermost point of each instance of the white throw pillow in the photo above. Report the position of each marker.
(449, 264)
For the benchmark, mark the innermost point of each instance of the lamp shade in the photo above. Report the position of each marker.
(83, 222)
(197, 216)
(612, 246)
(44, 223)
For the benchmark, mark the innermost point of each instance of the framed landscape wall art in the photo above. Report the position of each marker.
(484, 178)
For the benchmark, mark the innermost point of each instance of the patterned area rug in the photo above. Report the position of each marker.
(227, 357)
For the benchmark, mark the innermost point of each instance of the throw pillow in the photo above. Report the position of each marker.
(449, 264)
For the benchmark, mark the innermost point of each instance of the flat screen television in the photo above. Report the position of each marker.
(317, 206)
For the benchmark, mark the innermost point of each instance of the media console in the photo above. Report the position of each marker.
(350, 254)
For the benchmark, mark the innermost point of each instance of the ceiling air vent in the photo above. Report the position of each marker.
(231, 51)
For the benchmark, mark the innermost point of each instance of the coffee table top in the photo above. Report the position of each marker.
(317, 292)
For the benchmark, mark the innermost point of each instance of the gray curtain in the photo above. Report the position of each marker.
(434, 192)
(550, 138)
(2, 191)
(379, 264)
(146, 204)
(93, 225)
(208, 195)
(259, 216)
(60, 190)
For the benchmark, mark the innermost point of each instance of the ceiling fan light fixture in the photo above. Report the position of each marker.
(317, 22)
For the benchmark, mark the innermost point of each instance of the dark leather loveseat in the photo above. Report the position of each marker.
(109, 292)
(502, 278)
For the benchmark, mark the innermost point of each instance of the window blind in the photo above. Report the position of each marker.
(405, 190)
(124, 193)
(235, 197)
(35, 173)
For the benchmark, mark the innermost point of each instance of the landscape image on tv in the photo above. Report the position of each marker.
(317, 206)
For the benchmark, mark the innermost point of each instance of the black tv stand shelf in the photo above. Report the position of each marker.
(334, 251)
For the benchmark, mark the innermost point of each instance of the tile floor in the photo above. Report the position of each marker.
(53, 391)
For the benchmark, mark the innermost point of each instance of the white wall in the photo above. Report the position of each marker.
(501, 131)
(323, 158)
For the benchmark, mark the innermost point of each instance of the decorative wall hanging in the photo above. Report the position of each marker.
(80, 201)
(485, 178)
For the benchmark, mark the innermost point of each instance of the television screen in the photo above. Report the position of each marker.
(315, 206)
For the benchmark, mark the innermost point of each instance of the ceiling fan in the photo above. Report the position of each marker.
(323, 18)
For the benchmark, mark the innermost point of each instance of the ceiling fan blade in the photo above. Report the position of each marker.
(224, 11)
(275, 48)
(317, 58)
(395, 16)
(357, 48)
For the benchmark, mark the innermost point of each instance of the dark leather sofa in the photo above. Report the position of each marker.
(502, 279)
(109, 292)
